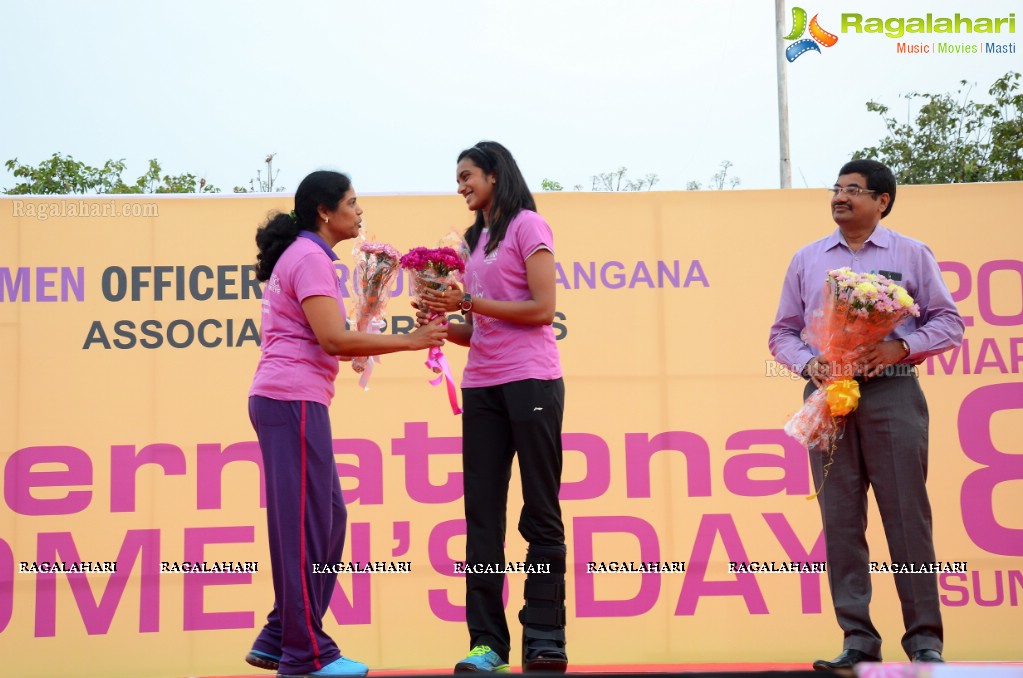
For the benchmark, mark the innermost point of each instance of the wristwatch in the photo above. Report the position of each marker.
(466, 304)
(905, 345)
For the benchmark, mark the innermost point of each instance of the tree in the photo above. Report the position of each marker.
(718, 180)
(550, 185)
(616, 181)
(261, 185)
(63, 175)
(953, 138)
(151, 182)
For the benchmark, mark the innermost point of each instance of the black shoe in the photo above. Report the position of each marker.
(262, 660)
(844, 663)
(544, 660)
(927, 657)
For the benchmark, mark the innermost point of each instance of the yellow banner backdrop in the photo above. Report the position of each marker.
(129, 335)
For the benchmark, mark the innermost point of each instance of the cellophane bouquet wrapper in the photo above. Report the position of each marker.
(376, 265)
(857, 311)
(435, 268)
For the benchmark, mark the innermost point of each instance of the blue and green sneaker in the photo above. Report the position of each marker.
(482, 659)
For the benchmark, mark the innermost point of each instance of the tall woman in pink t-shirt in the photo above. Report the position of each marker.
(514, 403)
(303, 334)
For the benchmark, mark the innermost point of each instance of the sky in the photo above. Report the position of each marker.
(389, 91)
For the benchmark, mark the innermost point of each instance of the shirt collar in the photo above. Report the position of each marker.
(881, 237)
(315, 237)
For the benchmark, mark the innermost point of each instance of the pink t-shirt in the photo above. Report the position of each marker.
(293, 365)
(501, 352)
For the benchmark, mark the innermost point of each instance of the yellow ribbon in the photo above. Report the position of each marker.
(843, 396)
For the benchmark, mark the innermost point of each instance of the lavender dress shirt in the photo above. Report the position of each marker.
(908, 262)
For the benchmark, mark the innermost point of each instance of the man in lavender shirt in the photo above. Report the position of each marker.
(885, 439)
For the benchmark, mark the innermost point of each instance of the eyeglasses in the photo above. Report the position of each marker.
(851, 191)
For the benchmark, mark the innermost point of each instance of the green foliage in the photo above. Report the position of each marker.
(955, 139)
(60, 175)
(550, 185)
(65, 175)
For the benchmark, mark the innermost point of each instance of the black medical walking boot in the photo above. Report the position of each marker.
(543, 615)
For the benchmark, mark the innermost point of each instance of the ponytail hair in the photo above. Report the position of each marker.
(272, 238)
(511, 195)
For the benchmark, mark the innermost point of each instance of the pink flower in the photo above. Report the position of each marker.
(442, 260)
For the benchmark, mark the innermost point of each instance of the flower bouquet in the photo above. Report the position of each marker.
(858, 310)
(437, 269)
(375, 267)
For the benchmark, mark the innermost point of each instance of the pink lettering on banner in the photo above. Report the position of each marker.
(97, 617)
(443, 562)
(984, 295)
(401, 531)
(598, 466)
(369, 470)
(793, 462)
(195, 617)
(124, 466)
(696, 585)
(990, 356)
(999, 592)
(586, 602)
(963, 584)
(6, 584)
(977, 494)
(19, 479)
(963, 288)
(416, 447)
(946, 582)
(809, 582)
(1015, 585)
(949, 359)
(358, 609)
(640, 448)
(210, 460)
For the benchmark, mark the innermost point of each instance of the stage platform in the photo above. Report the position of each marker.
(784, 670)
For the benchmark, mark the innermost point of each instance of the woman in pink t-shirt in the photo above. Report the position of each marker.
(303, 333)
(514, 398)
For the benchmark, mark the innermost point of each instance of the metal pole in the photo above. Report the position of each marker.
(785, 166)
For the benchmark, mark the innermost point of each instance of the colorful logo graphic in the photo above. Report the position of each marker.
(819, 35)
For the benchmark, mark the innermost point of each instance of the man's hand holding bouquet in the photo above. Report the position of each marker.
(858, 311)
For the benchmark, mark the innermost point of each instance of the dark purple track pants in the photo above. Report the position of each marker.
(306, 521)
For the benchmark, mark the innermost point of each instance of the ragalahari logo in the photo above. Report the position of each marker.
(819, 35)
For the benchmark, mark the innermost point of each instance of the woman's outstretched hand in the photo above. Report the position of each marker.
(430, 334)
(443, 301)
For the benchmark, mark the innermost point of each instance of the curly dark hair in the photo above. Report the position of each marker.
(280, 230)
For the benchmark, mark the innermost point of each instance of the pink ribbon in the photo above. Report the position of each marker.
(375, 327)
(367, 372)
(438, 363)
